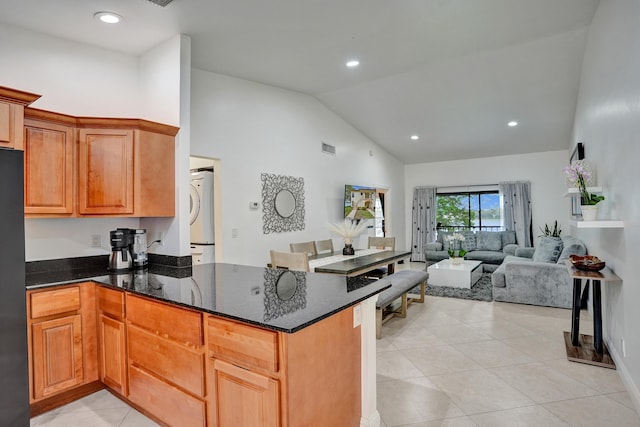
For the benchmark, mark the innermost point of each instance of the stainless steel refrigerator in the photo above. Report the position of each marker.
(14, 375)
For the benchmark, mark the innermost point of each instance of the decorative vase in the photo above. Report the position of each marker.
(348, 249)
(457, 260)
(589, 212)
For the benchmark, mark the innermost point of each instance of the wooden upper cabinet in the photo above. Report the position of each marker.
(105, 171)
(49, 167)
(12, 103)
(85, 166)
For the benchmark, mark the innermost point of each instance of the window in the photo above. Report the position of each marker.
(466, 210)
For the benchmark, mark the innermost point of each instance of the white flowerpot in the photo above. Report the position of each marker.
(458, 260)
(589, 212)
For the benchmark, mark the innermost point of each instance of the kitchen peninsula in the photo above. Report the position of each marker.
(229, 345)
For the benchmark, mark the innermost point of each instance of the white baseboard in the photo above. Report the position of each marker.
(373, 420)
(632, 388)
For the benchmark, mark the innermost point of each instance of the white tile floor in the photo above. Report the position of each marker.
(455, 363)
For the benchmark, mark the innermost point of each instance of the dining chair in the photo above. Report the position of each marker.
(307, 247)
(290, 260)
(388, 243)
(382, 243)
(324, 246)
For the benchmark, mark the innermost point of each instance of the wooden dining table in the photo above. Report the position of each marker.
(362, 261)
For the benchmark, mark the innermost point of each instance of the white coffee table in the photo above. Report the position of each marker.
(462, 275)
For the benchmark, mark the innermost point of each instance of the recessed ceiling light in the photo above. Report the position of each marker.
(512, 123)
(353, 63)
(415, 137)
(108, 17)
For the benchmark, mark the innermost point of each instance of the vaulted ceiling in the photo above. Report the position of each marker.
(453, 72)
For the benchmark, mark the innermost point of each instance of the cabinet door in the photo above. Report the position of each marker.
(112, 354)
(57, 355)
(11, 119)
(105, 171)
(48, 171)
(243, 398)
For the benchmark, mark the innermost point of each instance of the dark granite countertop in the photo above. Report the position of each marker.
(253, 295)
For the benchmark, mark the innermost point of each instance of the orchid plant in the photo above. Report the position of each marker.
(455, 240)
(577, 174)
(347, 229)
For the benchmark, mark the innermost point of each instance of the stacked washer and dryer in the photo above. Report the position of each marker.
(201, 216)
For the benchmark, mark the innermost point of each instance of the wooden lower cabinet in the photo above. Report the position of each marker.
(164, 401)
(186, 368)
(166, 361)
(57, 355)
(112, 335)
(113, 361)
(62, 339)
(241, 397)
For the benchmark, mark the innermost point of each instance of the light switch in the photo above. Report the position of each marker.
(357, 316)
(234, 233)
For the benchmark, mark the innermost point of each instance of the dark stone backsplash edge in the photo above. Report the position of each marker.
(68, 269)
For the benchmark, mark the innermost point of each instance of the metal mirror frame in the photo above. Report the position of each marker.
(274, 215)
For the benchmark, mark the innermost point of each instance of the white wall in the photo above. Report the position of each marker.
(80, 80)
(543, 170)
(608, 121)
(73, 78)
(253, 129)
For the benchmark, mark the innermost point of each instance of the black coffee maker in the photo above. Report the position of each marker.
(121, 240)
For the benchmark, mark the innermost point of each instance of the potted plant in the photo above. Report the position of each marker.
(455, 251)
(578, 175)
(548, 232)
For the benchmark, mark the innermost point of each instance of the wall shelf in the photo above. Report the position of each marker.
(573, 191)
(605, 223)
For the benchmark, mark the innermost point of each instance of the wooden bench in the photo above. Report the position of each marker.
(401, 283)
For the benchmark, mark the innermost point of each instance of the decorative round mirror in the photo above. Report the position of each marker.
(286, 286)
(285, 203)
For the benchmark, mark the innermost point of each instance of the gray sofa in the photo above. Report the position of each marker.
(538, 276)
(490, 247)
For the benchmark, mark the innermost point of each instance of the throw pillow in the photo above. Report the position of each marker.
(488, 241)
(440, 236)
(548, 250)
(571, 246)
(469, 243)
(508, 238)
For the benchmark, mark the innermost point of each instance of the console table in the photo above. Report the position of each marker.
(586, 348)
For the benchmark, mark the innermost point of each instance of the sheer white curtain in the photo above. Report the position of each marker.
(423, 220)
(516, 203)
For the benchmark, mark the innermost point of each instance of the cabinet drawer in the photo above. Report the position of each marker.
(180, 365)
(111, 302)
(164, 401)
(55, 301)
(247, 345)
(184, 326)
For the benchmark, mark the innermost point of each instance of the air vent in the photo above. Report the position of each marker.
(162, 3)
(329, 149)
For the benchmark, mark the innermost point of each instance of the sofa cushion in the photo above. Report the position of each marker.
(498, 276)
(508, 238)
(488, 241)
(469, 242)
(571, 246)
(488, 257)
(548, 249)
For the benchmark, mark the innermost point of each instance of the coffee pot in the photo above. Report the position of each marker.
(139, 248)
(120, 259)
